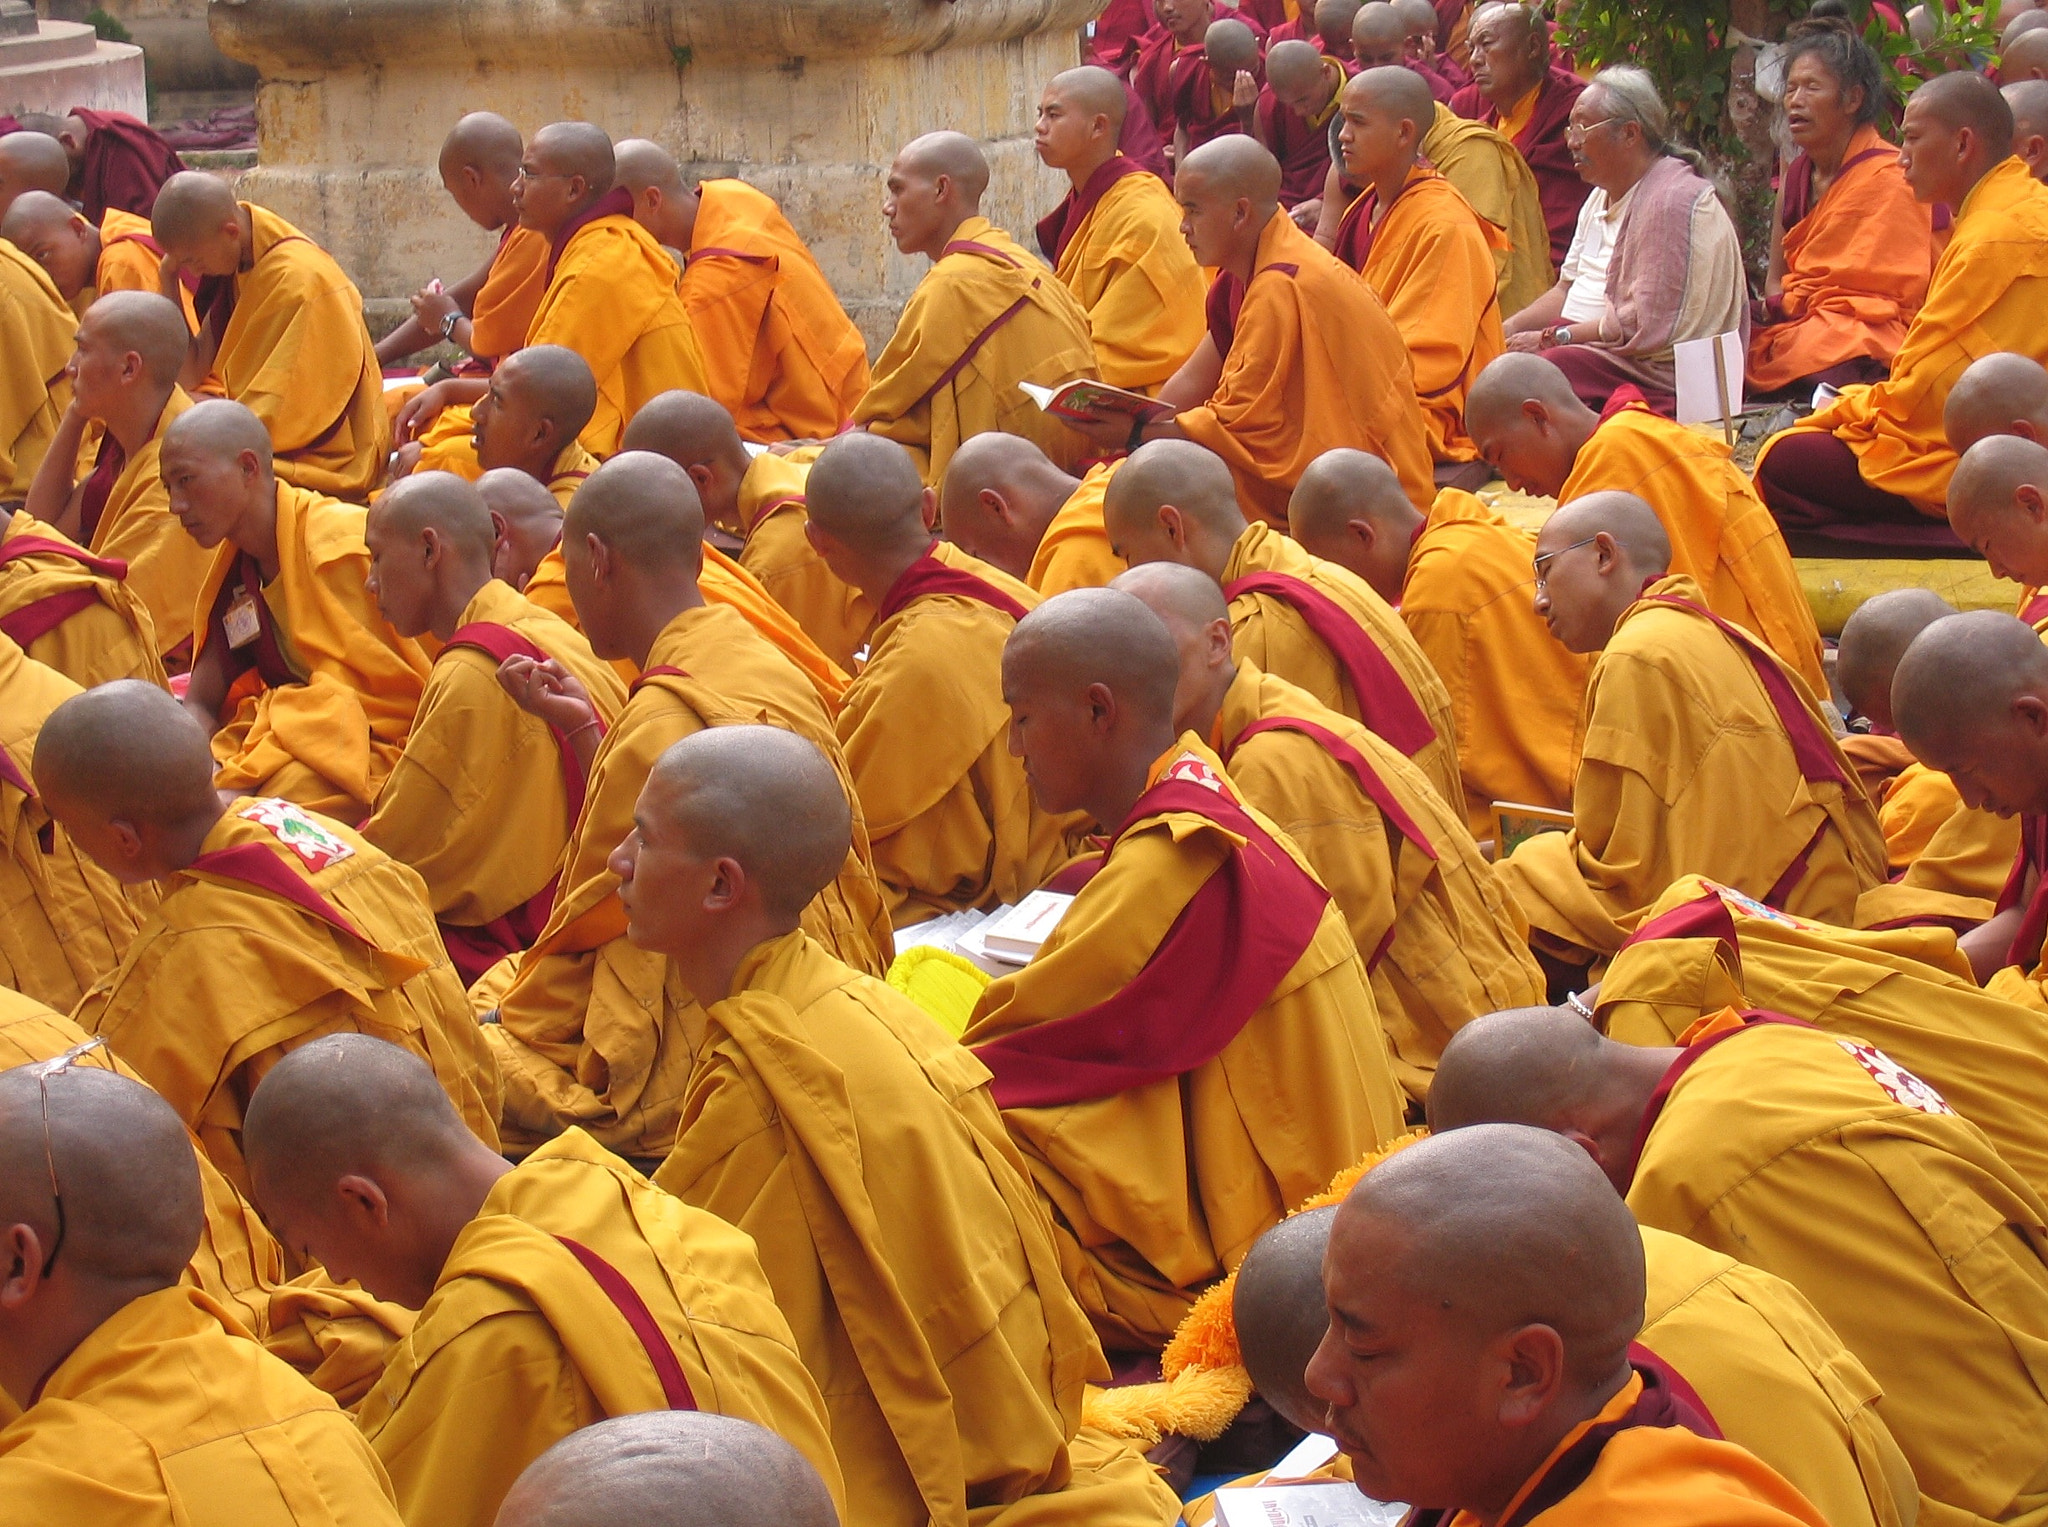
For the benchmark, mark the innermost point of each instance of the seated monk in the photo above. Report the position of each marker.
(1512, 1280)
(1521, 88)
(550, 1294)
(1294, 616)
(1201, 989)
(533, 411)
(274, 927)
(1655, 262)
(1381, 39)
(281, 331)
(70, 610)
(895, 1218)
(590, 1034)
(526, 523)
(1702, 753)
(1114, 240)
(1426, 255)
(36, 326)
(1293, 120)
(926, 738)
(2022, 55)
(984, 301)
(1004, 502)
(1167, 54)
(140, 1400)
(124, 377)
(1848, 270)
(1428, 50)
(670, 1468)
(83, 260)
(1871, 468)
(1997, 394)
(1812, 1157)
(31, 161)
(1217, 91)
(304, 687)
(1539, 434)
(2029, 102)
(1440, 940)
(1460, 579)
(778, 349)
(474, 760)
(116, 161)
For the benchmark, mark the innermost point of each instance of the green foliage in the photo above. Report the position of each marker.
(1966, 39)
(108, 27)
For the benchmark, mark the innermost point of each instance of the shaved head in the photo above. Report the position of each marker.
(1186, 598)
(219, 428)
(444, 503)
(1378, 24)
(1532, 1065)
(125, 751)
(1230, 46)
(577, 148)
(486, 141)
(1630, 520)
(191, 205)
(1998, 394)
(1291, 65)
(1961, 675)
(1511, 380)
(1098, 636)
(1417, 14)
(1989, 472)
(1334, 18)
(953, 155)
(864, 491)
(686, 427)
(998, 496)
(1399, 92)
(2028, 99)
(1350, 508)
(526, 518)
(56, 235)
(2026, 56)
(1177, 474)
(150, 325)
(993, 459)
(1237, 166)
(645, 508)
(557, 380)
(642, 163)
(669, 1468)
(1281, 1317)
(1094, 90)
(32, 162)
(1874, 638)
(1965, 99)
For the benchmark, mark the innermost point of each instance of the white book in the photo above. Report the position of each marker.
(1318, 1505)
(944, 932)
(1023, 930)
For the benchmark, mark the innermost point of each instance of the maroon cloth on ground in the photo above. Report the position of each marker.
(1303, 150)
(1140, 140)
(1542, 143)
(1815, 490)
(1595, 376)
(1059, 226)
(928, 575)
(126, 164)
(254, 865)
(223, 127)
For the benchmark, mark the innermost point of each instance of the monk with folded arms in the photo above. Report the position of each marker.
(1195, 1048)
(275, 926)
(36, 326)
(1821, 1159)
(124, 376)
(1114, 239)
(281, 329)
(778, 349)
(896, 1219)
(1703, 752)
(986, 316)
(550, 1294)
(306, 690)
(142, 1401)
(83, 260)
(1440, 939)
(474, 761)
(1301, 619)
(589, 1032)
(1005, 502)
(71, 610)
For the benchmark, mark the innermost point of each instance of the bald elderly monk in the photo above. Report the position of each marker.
(36, 325)
(280, 330)
(526, 520)
(83, 260)
(1201, 976)
(1460, 579)
(1301, 619)
(1005, 502)
(1426, 255)
(1114, 240)
(1872, 468)
(70, 609)
(1440, 939)
(895, 1218)
(143, 1402)
(1702, 751)
(124, 371)
(1520, 88)
(275, 926)
(2029, 102)
(778, 349)
(1531, 425)
(926, 737)
(1828, 1182)
(590, 1032)
(1296, 107)
(116, 160)
(1273, 385)
(305, 689)
(985, 317)
(550, 1294)
(474, 761)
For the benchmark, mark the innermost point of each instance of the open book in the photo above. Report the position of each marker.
(1086, 398)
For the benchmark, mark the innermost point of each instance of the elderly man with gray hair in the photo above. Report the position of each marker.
(1656, 258)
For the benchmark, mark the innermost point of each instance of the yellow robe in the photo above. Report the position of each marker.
(166, 567)
(1491, 174)
(296, 353)
(1074, 552)
(986, 316)
(1686, 767)
(1130, 269)
(161, 1416)
(511, 293)
(1777, 1380)
(110, 638)
(1159, 1191)
(36, 327)
(1722, 536)
(228, 977)
(1267, 631)
(1440, 939)
(1896, 1218)
(329, 740)
(612, 299)
(588, 1033)
(779, 351)
(834, 615)
(832, 1121)
(126, 264)
(927, 740)
(1468, 600)
(520, 1345)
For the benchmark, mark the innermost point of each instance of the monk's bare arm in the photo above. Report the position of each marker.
(1538, 315)
(428, 309)
(549, 691)
(423, 409)
(54, 496)
(1195, 383)
(1987, 945)
(1331, 212)
(208, 689)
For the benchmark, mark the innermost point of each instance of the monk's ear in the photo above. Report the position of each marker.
(1534, 1360)
(928, 508)
(128, 838)
(2031, 712)
(1102, 707)
(363, 1200)
(131, 367)
(2028, 497)
(701, 475)
(728, 886)
(500, 529)
(1175, 525)
(1537, 415)
(600, 558)
(1364, 532)
(998, 507)
(21, 1265)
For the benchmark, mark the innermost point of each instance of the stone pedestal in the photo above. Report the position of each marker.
(58, 66)
(808, 99)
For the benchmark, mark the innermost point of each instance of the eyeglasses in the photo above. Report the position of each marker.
(43, 1073)
(524, 173)
(1542, 563)
(1574, 130)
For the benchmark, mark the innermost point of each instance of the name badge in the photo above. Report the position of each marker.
(240, 622)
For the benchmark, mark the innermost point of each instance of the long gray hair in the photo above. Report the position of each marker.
(1632, 97)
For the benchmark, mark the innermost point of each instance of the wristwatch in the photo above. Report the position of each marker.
(448, 324)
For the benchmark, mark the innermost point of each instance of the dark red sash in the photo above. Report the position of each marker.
(39, 617)
(99, 486)
(2025, 949)
(1389, 706)
(1232, 944)
(1367, 776)
(659, 670)
(43, 546)
(255, 865)
(1752, 1018)
(1706, 917)
(2036, 609)
(966, 356)
(675, 1386)
(617, 202)
(928, 575)
(1057, 228)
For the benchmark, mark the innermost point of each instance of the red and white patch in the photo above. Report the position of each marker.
(1193, 771)
(297, 830)
(1749, 906)
(1899, 1084)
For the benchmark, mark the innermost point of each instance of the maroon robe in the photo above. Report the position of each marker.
(126, 164)
(1542, 144)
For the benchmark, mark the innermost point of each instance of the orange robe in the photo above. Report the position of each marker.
(135, 525)
(779, 351)
(1311, 361)
(772, 512)
(505, 304)
(1074, 552)
(36, 329)
(70, 610)
(1117, 247)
